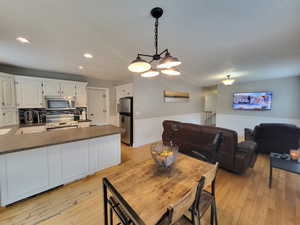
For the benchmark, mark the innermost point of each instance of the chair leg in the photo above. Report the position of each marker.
(212, 214)
(111, 216)
(215, 212)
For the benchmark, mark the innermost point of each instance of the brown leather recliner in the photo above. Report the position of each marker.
(190, 137)
(274, 137)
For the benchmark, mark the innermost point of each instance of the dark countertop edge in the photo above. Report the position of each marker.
(57, 143)
(32, 125)
(81, 121)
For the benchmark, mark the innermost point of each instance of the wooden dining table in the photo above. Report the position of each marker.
(146, 191)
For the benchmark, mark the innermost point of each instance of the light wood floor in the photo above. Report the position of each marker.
(241, 200)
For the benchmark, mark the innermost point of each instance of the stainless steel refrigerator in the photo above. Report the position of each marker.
(126, 119)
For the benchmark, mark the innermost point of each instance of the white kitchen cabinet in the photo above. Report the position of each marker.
(68, 88)
(81, 95)
(32, 168)
(61, 88)
(7, 91)
(29, 172)
(125, 90)
(51, 87)
(75, 161)
(94, 148)
(29, 92)
(8, 117)
(109, 153)
(54, 162)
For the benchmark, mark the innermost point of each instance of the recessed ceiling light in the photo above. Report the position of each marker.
(80, 67)
(23, 40)
(88, 55)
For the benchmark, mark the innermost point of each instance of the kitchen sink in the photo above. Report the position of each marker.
(4, 131)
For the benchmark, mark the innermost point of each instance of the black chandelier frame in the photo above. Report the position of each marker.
(156, 13)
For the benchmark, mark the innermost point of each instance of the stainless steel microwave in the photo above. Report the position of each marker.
(60, 103)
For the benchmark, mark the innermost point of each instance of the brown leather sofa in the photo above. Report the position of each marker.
(190, 137)
(274, 137)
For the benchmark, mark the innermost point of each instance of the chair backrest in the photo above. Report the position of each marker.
(208, 180)
(218, 140)
(191, 198)
(211, 175)
(210, 153)
(177, 210)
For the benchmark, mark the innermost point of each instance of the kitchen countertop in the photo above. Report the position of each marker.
(44, 124)
(87, 120)
(14, 143)
(32, 125)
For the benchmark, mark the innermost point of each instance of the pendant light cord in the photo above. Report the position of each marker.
(156, 36)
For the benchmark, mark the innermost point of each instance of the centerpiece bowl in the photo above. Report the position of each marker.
(164, 155)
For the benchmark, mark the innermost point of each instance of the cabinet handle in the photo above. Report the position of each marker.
(3, 104)
(3, 114)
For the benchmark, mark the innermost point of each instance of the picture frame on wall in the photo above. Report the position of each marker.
(176, 97)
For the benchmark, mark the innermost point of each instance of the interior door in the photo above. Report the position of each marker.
(97, 106)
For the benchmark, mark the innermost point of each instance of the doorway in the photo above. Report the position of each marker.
(98, 105)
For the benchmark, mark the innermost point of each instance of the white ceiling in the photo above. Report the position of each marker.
(252, 40)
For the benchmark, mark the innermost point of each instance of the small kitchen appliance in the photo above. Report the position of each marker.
(60, 103)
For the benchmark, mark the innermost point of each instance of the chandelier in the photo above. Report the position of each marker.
(167, 63)
(228, 81)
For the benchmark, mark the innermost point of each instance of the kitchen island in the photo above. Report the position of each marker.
(33, 163)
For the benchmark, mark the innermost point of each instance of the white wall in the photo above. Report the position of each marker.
(239, 122)
(150, 110)
(150, 130)
(285, 104)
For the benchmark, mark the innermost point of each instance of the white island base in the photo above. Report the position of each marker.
(29, 172)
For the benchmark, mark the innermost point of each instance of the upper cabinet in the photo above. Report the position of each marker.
(7, 91)
(51, 87)
(68, 88)
(125, 90)
(29, 92)
(81, 95)
(59, 88)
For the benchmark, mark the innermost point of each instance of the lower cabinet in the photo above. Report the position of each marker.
(74, 161)
(8, 117)
(26, 173)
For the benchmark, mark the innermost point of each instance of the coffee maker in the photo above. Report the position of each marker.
(81, 113)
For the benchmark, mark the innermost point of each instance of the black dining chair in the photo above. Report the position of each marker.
(210, 155)
(210, 152)
(118, 206)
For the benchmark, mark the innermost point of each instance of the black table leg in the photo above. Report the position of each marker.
(270, 175)
(105, 202)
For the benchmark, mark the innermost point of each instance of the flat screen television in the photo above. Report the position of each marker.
(252, 101)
